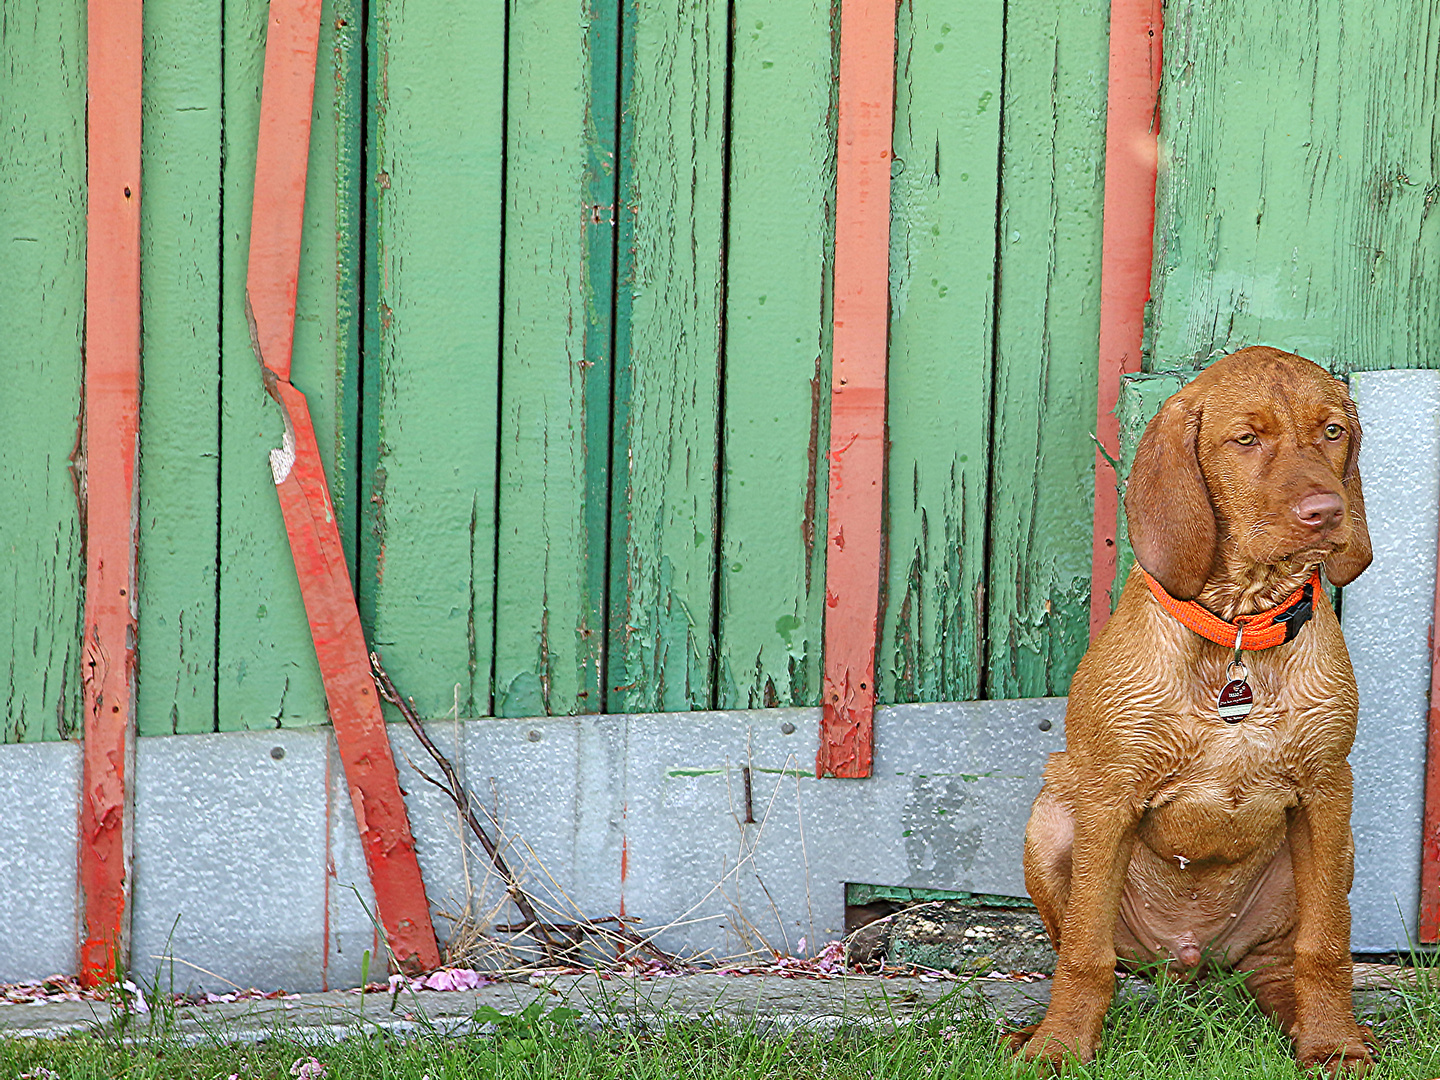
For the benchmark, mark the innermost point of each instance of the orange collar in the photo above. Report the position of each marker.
(1273, 627)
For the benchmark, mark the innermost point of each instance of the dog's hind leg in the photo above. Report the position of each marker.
(1270, 978)
(1048, 840)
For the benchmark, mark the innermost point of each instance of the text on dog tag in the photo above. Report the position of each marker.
(1235, 701)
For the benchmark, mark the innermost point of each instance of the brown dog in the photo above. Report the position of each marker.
(1166, 832)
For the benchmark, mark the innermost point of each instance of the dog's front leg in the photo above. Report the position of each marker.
(1323, 855)
(1085, 974)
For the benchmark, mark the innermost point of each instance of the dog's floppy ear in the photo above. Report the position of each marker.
(1345, 566)
(1167, 505)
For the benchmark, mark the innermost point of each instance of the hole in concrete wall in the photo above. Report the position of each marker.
(944, 930)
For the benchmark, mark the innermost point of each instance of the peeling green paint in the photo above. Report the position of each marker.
(777, 353)
(664, 488)
(555, 402)
(1295, 197)
(42, 262)
(1047, 335)
(942, 237)
(436, 163)
(179, 459)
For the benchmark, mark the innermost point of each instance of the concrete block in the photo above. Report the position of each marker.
(230, 840)
(1386, 614)
(39, 793)
(946, 808)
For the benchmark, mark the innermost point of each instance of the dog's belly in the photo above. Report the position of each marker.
(1210, 877)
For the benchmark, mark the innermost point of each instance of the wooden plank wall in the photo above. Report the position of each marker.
(694, 178)
(564, 323)
(1295, 196)
(567, 341)
(42, 262)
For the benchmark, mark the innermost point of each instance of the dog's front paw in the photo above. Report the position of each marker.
(1051, 1045)
(1348, 1056)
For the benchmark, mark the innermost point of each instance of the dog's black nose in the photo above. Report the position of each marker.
(1320, 511)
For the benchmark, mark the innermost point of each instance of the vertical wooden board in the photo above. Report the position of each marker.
(437, 161)
(1052, 194)
(555, 403)
(1297, 179)
(667, 355)
(340, 87)
(266, 672)
(42, 262)
(942, 242)
(777, 354)
(180, 409)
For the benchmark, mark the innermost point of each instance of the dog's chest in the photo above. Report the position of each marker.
(1221, 796)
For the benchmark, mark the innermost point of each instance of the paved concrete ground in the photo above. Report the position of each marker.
(616, 1001)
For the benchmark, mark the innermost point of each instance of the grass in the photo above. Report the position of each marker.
(1213, 1031)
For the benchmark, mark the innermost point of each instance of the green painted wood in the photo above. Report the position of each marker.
(942, 239)
(267, 674)
(436, 163)
(1297, 185)
(667, 351)
(1047, 334)
(42, 262)
(555, 403)
(777, 354)
(348, 108)
(179, 461)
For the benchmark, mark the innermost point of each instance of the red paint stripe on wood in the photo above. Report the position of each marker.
(1429, 930)
(112, 409)
(344, 659)
(282, 160)
(1132, 122)
(857, 389)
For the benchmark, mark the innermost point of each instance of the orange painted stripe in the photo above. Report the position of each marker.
(112, 409)
(1132, 122)
(1429, 930)
(857, 389)
(281, 163)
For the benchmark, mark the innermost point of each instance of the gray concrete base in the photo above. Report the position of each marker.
(39, 910)
(769, 1003)
(773, 1003)
(248, 867)
(1386, 615)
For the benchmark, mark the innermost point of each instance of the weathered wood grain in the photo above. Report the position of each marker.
(555, 358)
(777, 354)
(179, 461)
(667, 355)
(943, 198)
(42, 263)
(436, 163)
(1297, 180)
(1052, 192)
(266, 673)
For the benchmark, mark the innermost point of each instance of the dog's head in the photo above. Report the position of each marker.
(1260, 453)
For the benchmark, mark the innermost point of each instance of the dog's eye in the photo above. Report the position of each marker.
(1333, 431)
(1247, 439)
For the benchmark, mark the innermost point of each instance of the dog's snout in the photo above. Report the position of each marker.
(1324, 510)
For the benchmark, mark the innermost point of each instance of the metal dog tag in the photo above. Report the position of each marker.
(1235, 701)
